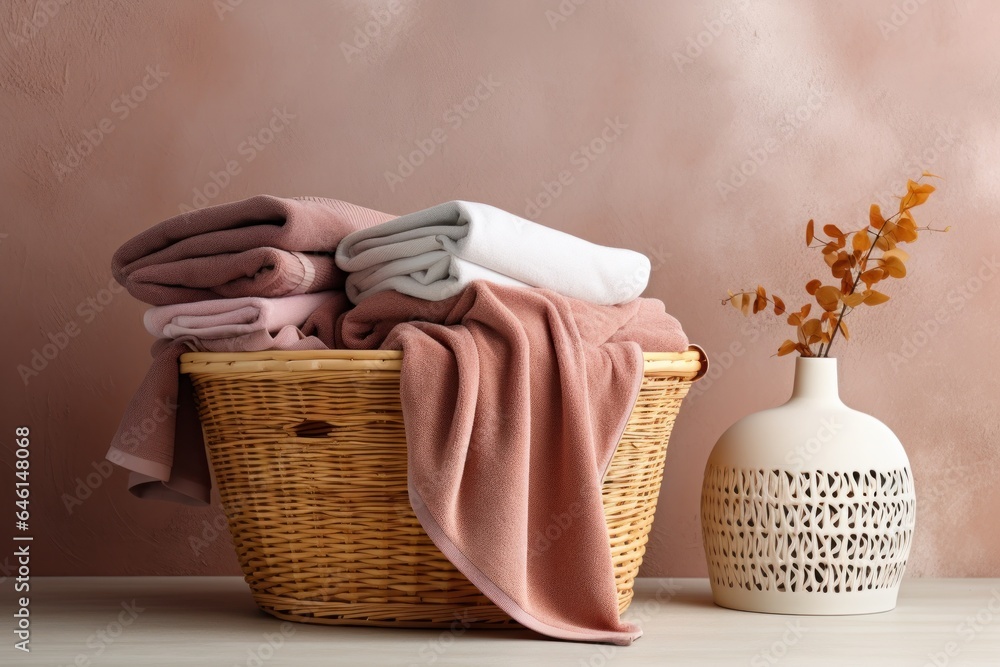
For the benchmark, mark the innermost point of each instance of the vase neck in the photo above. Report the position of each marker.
(816, 379)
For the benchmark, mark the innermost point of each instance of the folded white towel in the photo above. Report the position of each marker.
(435, 253)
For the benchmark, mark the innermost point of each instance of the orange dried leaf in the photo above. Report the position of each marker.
(872, 276)
(806, 308)
(759, 304)
(843, 330)
(861, 241)
(906, 231)
(893, 266)
(795, 319)
(786, 348)
(920, 188)
(875, 217)
(885, 243)
(779, 305)
(810, 232)
(812, 327)
(804, 350)
(811, 287)
(745, 304)
(760, 292)
(873, 298)
(854, 300)
(833, 231)
(828, 297)
(916, 194)
(899, 253)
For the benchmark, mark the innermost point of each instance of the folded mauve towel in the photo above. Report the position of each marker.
(266, 272)
(261, 246)
(231, 318)
(435, 253)
(514, 401)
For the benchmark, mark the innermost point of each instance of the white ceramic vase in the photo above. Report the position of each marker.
(808, 508)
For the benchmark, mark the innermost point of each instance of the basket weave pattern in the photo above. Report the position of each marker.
(309, 457)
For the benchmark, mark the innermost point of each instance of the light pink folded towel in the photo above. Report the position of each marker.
(514, 400)
(204, 322)
(262, 246)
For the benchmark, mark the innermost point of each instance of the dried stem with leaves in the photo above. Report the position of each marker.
(851, 267)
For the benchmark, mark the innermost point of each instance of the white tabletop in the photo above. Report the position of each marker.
(162, 621)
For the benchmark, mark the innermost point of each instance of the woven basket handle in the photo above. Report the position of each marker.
(311, 428)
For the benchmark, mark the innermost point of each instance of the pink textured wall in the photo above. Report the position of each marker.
(116, 114)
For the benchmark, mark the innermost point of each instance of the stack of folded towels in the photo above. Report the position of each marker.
(522, 360)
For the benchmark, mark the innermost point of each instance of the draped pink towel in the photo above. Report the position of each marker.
(262, 246)
(514, 400)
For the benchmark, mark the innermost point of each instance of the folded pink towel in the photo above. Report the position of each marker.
(262, 246)
(207, 321)
(514, 401)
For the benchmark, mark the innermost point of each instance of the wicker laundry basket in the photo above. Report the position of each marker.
(309, 456)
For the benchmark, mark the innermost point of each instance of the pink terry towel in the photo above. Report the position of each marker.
(208, 321)
(514, 400)
(262, 246)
